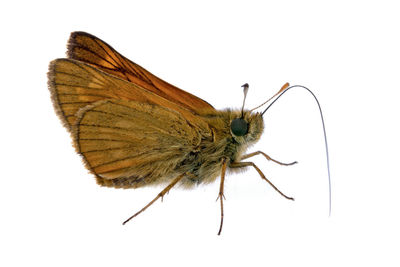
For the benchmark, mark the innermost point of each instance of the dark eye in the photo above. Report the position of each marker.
(239, 127)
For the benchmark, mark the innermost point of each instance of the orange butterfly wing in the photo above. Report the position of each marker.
(121, 139)
(133, 144)
(116, 110)
(75, 85)
(90, 49)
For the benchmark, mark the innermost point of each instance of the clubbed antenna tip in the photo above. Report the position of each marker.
(245, 90)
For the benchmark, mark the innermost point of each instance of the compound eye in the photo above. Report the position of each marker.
(239, 127)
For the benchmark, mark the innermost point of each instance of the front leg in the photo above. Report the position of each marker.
(267, 157)
(248, 164)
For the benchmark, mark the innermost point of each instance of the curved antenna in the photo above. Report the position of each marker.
(323, 127)
(285, 86)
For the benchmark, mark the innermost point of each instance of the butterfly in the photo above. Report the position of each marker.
(133, 129)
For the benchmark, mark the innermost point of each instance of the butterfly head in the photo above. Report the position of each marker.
(246, 126)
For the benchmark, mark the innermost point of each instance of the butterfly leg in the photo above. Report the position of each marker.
(221, 196)
(251, 164)
(161, 194)
(267, 157)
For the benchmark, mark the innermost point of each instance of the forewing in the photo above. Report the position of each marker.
(90, 49)
(131, 144)
(74, 85)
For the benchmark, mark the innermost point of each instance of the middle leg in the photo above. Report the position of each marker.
(221, 196)
(251, 164)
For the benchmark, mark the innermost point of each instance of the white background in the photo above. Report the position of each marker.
(347, 52)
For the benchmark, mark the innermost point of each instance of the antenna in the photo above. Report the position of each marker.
(284, 87)
(323, 127)
(245, 90)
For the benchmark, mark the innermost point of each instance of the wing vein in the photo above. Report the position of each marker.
(99, 56)
(81, 86)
